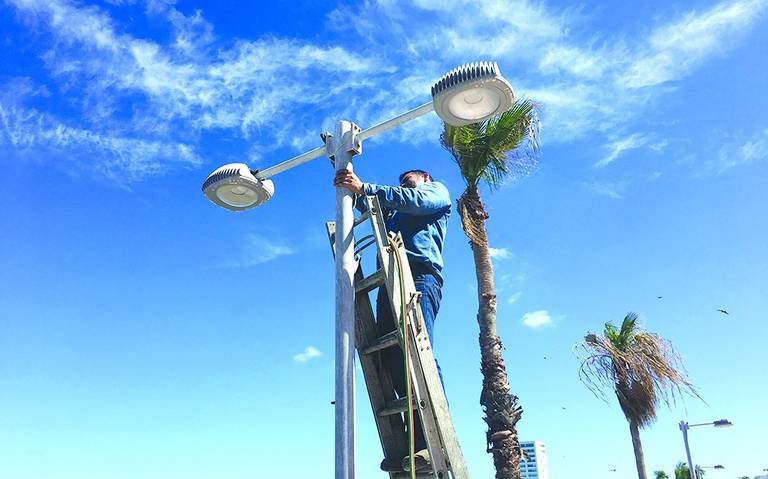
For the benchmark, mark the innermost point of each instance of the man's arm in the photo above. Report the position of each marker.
(426, 199)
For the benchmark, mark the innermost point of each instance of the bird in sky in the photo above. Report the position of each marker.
(724, 311)
(659, 297)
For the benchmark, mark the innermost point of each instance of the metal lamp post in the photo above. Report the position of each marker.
(684, 426)
(468, 94)
(718, 466)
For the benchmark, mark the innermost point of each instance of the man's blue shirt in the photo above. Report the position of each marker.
(421, 215)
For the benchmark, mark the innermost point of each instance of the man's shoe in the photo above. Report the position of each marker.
(391, 465)
(420, 459)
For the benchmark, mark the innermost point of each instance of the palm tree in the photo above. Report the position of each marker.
(641, 368)
(661, 475)
(502, 147)
(683, 472)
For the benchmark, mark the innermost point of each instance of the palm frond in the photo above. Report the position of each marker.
(502, 146)
(641, 368)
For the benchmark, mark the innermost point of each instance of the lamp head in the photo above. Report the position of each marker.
(235, 188)
(722, 423)
(472, 93)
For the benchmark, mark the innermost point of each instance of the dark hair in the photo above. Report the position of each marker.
(418, 172)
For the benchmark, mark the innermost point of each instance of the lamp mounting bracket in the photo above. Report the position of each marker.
(349, 142)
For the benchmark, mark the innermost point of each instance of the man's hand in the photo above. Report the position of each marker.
(347, 179)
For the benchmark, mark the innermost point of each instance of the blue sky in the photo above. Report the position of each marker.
(145, 332)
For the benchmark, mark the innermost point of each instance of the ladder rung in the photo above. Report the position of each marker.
(395, 407)
(386, 341)
(370, 283)
(360, 219)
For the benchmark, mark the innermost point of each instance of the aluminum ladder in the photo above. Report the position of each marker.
(429, 399)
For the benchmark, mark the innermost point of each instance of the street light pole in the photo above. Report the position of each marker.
(469, 94)
(684, 427)
(341, 147)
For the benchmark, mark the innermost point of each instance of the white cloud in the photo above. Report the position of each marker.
(618, 147)
(578, 62)
(173, 91)
(310, 352)
(659, 146)
(584, 85)
(739, 152)
(260, 249)
(513, 298)
(500, 253)
(537, 319)
(122, 158)
(184, 87)
(609, 189)
(755, 149)
(674, 49)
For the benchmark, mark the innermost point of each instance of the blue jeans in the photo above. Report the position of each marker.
(430, 288)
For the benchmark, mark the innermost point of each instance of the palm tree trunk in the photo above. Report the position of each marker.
(634, 431)
(501, 408)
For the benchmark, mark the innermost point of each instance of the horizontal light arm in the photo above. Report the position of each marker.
(372, 131)
(700, 424)
(288, 164)
(397, 121)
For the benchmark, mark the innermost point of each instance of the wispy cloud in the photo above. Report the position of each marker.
(123, 158)
(537, 319)
(659, 146)
(183, 88)
(584, 85)
(739, 152)
(618, 147)
(655, 175)
(500, 253)
(674, 49)
(514, 297)
(193, 83)
(610, 189)
(258, 249)
(310, 352)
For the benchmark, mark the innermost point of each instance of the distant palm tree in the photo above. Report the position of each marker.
(683, 472)
(641, 368)
(490, 152)
(660, 475)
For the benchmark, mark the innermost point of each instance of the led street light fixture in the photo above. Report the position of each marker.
(234, 187)
(468, 94)
(472, 93)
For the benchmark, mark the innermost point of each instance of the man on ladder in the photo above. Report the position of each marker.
(418, 209)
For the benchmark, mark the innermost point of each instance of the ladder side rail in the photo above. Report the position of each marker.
(422, 350)
(417, 335)
(388, 264)
(377, 380)
(425, 356)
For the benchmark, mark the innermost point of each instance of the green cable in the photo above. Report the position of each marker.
(404, 332)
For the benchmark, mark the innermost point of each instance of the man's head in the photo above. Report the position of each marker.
(414, 178)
